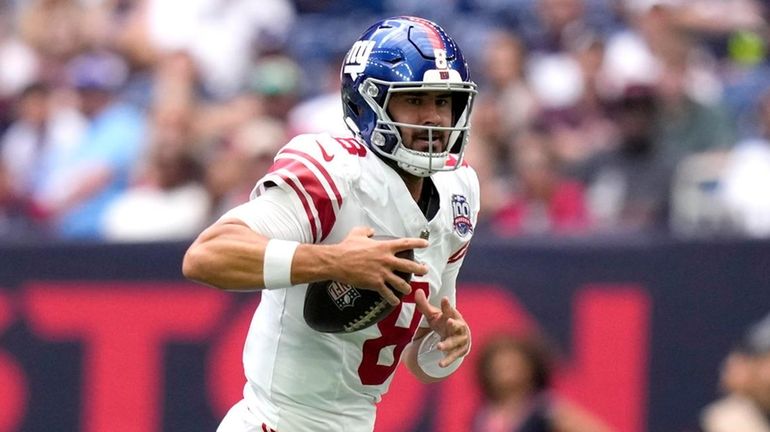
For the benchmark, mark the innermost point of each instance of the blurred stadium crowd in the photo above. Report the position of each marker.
(136, 120)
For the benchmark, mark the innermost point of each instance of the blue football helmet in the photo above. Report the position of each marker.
(406, 54)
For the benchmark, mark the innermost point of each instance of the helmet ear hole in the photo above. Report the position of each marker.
(352, 107)
(459, 105)
(458, 144)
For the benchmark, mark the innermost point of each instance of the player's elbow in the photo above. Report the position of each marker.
(198, 265)
(193, 263)
(199, 262)
(209, 261)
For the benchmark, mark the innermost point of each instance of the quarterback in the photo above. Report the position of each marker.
(407, 97)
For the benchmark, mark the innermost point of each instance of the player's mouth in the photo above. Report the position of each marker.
(424, 143)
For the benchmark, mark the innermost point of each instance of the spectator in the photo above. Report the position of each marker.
(44, 123)
(692, 118)
(577, 124)
(689, 122)
(55, 30)
(169, 200)
(323, 111)
(515, 378)
(79, 182)
(746, 178)
(276, 80)
(244, 158)
(171, 205)
(746, 381)
(15, 218)
(628, 186)
(19, 63)
(583, 128)
(178, 93)
(220, 36)
(22, 145)
(558, 22)
(543, 201)
(504, 108)
(505, 105)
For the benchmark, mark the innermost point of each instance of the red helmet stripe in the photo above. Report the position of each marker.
(433, 33)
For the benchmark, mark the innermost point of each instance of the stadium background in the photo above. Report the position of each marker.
(99, 331)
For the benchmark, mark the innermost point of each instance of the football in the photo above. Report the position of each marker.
(333, 307)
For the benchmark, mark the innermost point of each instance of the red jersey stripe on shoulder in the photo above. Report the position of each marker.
(305, 204)
(309, 183)
(459, 254)
(320, 167)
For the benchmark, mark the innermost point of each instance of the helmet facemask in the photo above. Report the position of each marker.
(386, 137)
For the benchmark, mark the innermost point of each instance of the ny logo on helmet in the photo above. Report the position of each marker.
(355, 62)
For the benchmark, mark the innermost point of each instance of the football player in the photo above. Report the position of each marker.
(407, 97)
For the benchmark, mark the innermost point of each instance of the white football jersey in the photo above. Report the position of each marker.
(303, 380)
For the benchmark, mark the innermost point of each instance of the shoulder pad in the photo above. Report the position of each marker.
(312, 168)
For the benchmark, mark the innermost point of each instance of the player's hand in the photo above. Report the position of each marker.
(371, 264)
(449, 324)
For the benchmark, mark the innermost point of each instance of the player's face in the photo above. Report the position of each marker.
(430, 108)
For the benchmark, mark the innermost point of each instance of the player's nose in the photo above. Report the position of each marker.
(430, 114)
(432, 118)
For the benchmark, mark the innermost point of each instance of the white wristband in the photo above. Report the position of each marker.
(276, 267)
(428, 356)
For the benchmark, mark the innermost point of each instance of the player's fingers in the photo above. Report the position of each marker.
(456, 335)
(454, 348)
(447, 345)
(409, 266)
(423, 306)
(398, 284)
(388, 295)
(456, 327)
(449, 359)
(453, 328)
(451, 355)
(408, 243)
(447, 309)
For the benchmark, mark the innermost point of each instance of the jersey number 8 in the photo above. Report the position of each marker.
(370, 370)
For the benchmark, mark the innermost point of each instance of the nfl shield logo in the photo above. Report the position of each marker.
(343, 295)
(462, 215)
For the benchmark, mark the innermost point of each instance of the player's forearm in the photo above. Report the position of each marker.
(231, 256)
(228, 256)
(314, 262)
